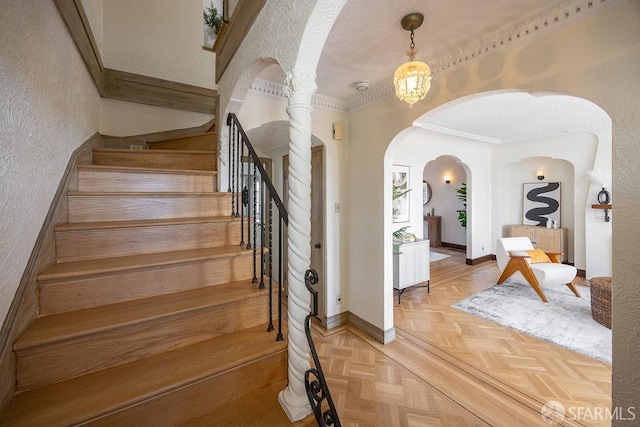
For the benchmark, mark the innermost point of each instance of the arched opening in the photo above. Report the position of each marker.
(504, 138)
(445, 213)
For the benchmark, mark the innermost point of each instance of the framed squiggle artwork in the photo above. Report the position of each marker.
(541, 203)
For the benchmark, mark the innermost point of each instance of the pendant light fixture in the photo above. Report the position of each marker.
(412, 80)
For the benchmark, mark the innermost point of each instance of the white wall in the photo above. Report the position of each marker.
(158, 38)
(373, 129)
(445, 200)
(48, 107)
(574, 155)
(511, 193)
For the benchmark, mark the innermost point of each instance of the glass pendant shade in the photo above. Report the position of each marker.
(412, 81)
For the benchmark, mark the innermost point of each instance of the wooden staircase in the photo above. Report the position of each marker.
(149, 316)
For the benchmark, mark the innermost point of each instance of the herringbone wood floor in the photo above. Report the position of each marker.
(447, 367)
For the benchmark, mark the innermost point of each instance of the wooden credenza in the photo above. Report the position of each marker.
(411, 264)
(434, 230)
(547, 239)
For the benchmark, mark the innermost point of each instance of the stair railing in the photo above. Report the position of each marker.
(241, 198)
(256, 216)
(317, 390)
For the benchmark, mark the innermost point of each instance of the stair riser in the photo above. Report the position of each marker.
(201, 142)
(86, 208)
(201, 398)
(157, 159)
(91, 291)
(113, 181)
(114, 242)
(59, 361)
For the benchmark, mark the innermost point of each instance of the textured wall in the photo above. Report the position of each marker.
(121, 118)
(48, 107)
(158, 38)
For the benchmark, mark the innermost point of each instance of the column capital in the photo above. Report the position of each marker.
(300, 85)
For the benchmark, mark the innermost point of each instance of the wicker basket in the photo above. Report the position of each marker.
(601, 300)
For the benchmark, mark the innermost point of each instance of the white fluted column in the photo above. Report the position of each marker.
(300, 87)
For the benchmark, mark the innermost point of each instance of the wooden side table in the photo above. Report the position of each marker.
(434, 228)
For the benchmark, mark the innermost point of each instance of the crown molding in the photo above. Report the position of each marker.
(276, 91)
(542, 22)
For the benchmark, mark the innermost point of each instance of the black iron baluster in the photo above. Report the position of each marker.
(255, 222)
(237, 173)
(231, 125)
(232, 166)
(262, 234)
(244, 192)
(317, 389)
(270, 257)
(279, 337)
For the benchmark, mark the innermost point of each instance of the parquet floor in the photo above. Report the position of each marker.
(448, 368)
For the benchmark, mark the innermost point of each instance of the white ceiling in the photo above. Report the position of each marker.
(501, 117)
(367, 42)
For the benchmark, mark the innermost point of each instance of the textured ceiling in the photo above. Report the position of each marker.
(521, 116)
(367, 42)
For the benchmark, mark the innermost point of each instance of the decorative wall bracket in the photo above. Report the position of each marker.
(606, 208)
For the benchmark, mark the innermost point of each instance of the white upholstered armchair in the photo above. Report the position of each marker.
(515, 260)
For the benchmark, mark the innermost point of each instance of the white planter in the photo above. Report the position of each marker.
(209, 36)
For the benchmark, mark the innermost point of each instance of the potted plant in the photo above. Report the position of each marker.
(462, 214)
(212, 23)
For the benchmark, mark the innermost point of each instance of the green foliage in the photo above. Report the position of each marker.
(212, 19)
(397, 193)
(462, 214)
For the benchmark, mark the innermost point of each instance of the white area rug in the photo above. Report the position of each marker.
(435, 256)
(565, 320)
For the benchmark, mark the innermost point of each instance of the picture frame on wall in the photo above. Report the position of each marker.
(541, 203)
(400, 202)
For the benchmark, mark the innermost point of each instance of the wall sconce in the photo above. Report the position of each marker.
(540, 175)
(447, 179)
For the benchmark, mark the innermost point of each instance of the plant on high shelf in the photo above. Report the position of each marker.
(397, 194)
(462, 214)
(212, 19)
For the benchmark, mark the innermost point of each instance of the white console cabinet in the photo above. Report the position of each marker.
(411, 265)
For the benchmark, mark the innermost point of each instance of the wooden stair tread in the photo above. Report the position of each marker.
(132, 169)
(80, 323)
(148, 195)
(102, 392)
(185, 138)
(81, 226)
(65, 270)
(150, 152)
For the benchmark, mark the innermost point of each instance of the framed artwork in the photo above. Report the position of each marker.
(400, 203)
(541, 203)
